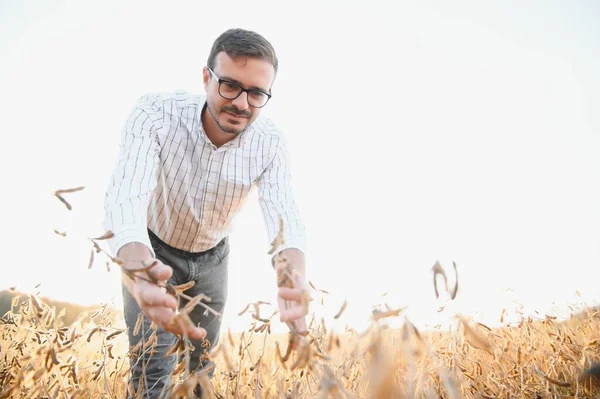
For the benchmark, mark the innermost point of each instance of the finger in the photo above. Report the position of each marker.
(183, 325)
(299, 280)
(160, 271)
(192, 331)
(189, 331)
(197, 333)
(166, 318)
(292, 314)
(152, 296)
(286, 305)
(161, 316)
(298, 326)
(301, 324)
(292, 294)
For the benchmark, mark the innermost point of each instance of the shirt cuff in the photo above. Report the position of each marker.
(125, 237)
(298, 245)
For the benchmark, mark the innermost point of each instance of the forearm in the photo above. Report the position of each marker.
(295, 259)
(133, 254)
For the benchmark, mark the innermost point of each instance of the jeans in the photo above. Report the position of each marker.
(208, 270)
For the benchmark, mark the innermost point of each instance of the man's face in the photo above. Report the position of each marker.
(233, 116)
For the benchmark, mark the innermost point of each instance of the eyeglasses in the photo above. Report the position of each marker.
(231, 90)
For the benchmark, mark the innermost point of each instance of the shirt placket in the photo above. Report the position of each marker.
(212, 181)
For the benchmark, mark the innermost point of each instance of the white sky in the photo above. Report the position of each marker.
(418, 132)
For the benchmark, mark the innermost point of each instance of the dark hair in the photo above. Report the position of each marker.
(243, 43)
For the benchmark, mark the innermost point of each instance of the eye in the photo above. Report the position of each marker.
(257, 95)
(229, 86)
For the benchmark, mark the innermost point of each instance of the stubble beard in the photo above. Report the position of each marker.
(226, 129)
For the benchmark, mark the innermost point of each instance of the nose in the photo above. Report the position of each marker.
(242, 101)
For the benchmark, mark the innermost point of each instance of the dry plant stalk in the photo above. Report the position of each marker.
(42, 356)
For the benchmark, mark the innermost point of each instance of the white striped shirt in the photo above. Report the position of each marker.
(171, 179)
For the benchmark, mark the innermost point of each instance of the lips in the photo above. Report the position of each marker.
(236, 115)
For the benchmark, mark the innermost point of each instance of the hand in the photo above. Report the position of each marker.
(157, 304)
(292, 299)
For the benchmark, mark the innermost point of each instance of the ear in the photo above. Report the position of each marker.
(205, 77)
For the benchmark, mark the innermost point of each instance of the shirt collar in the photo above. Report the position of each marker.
(239, 139)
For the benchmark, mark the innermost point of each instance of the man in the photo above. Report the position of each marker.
(186, 166)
